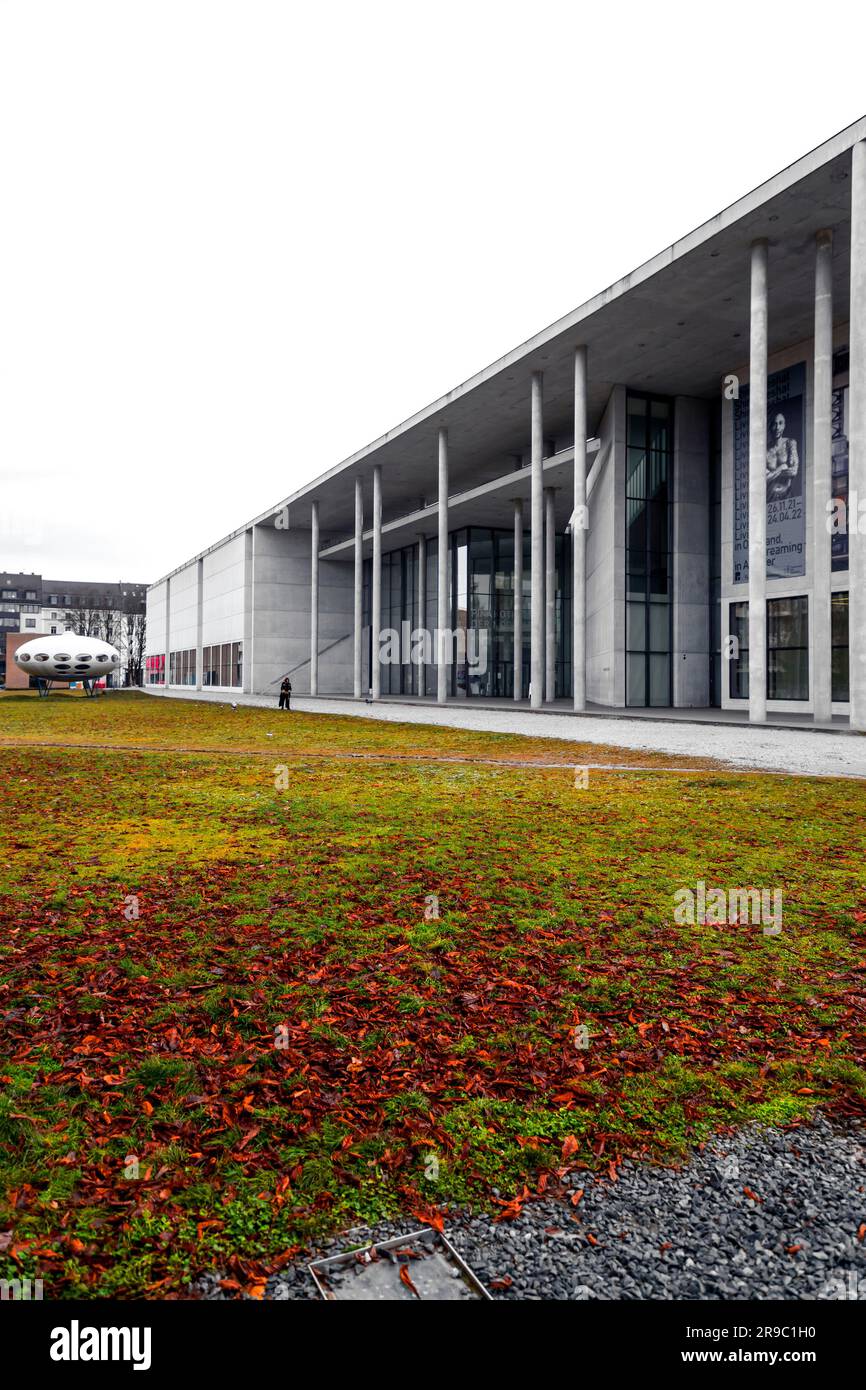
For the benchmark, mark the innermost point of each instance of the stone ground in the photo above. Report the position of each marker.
(763, 1214)
(801, 751)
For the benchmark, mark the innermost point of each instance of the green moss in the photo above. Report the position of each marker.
(405, 1038)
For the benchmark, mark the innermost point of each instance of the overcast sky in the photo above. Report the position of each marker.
(240, 239)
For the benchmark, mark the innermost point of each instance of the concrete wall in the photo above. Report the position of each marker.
(255, 589)
(605, 561)
(222, 594)
(691, 559)
(183, 624)
(280, 609)
(336, 625)
(156, 605)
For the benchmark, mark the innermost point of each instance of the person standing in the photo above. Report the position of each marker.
(286, 693)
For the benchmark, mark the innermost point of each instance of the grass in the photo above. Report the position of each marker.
(232, 1020)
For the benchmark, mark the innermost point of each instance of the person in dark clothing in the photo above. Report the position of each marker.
(286, 694)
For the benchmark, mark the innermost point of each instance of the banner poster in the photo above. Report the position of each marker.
(785, 474)
(839, 481)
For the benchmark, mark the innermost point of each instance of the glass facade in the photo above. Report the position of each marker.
(154, 669)
(839, 647)
(483, 606)
(787, 649)
(481, 614)
(181, 667)
(222, 665)
(399, 607)
(649, 466)
(739, 662)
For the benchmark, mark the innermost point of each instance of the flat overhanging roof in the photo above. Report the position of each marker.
(676, 325)
(496, 497)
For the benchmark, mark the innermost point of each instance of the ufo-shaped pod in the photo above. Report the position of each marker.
(67, 657)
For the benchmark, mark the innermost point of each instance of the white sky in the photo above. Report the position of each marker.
(239, 239)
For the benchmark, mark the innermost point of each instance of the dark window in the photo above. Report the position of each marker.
(739, 659)
(787, 649)
(480, 604)
(649, 463)
(839, 646)
(181, 667)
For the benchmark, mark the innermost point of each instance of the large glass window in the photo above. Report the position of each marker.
(221, 665)
(739, 661)
(787, 649)
(481, 607)
(839, 641)
(181, 667)
(649, 464)
(154, 669)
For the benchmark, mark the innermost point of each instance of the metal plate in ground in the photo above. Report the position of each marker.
(421, 1265)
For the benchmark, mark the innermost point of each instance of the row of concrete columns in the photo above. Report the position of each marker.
(542, 565)
(542, 568)
(758, 486)
(822, 425)
(822, 379)
(857, 441)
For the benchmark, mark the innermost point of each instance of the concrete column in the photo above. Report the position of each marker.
(422, 609)
(536, 635)
(442, 623)
(549, 594)
(819, 617)
(359, 590)
(758, 486)
(518, 597)
(314, 599)
(249, 610)
(578, 535)
(376, 586)
(167, 630)
(857, 441)
(199, 621)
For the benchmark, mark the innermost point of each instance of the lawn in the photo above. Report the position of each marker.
(232, 1020)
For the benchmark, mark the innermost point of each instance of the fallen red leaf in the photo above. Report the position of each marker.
(406, 1278)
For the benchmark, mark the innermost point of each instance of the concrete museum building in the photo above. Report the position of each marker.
(658, 501)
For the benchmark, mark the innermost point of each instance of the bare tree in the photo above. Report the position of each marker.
(85, 617)
(136, 641)
(116, 617)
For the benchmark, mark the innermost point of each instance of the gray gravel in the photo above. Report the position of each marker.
(805, 752)
(691, 1233)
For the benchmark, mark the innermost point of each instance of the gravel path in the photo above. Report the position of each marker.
(800, 751)
(692, 1233)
